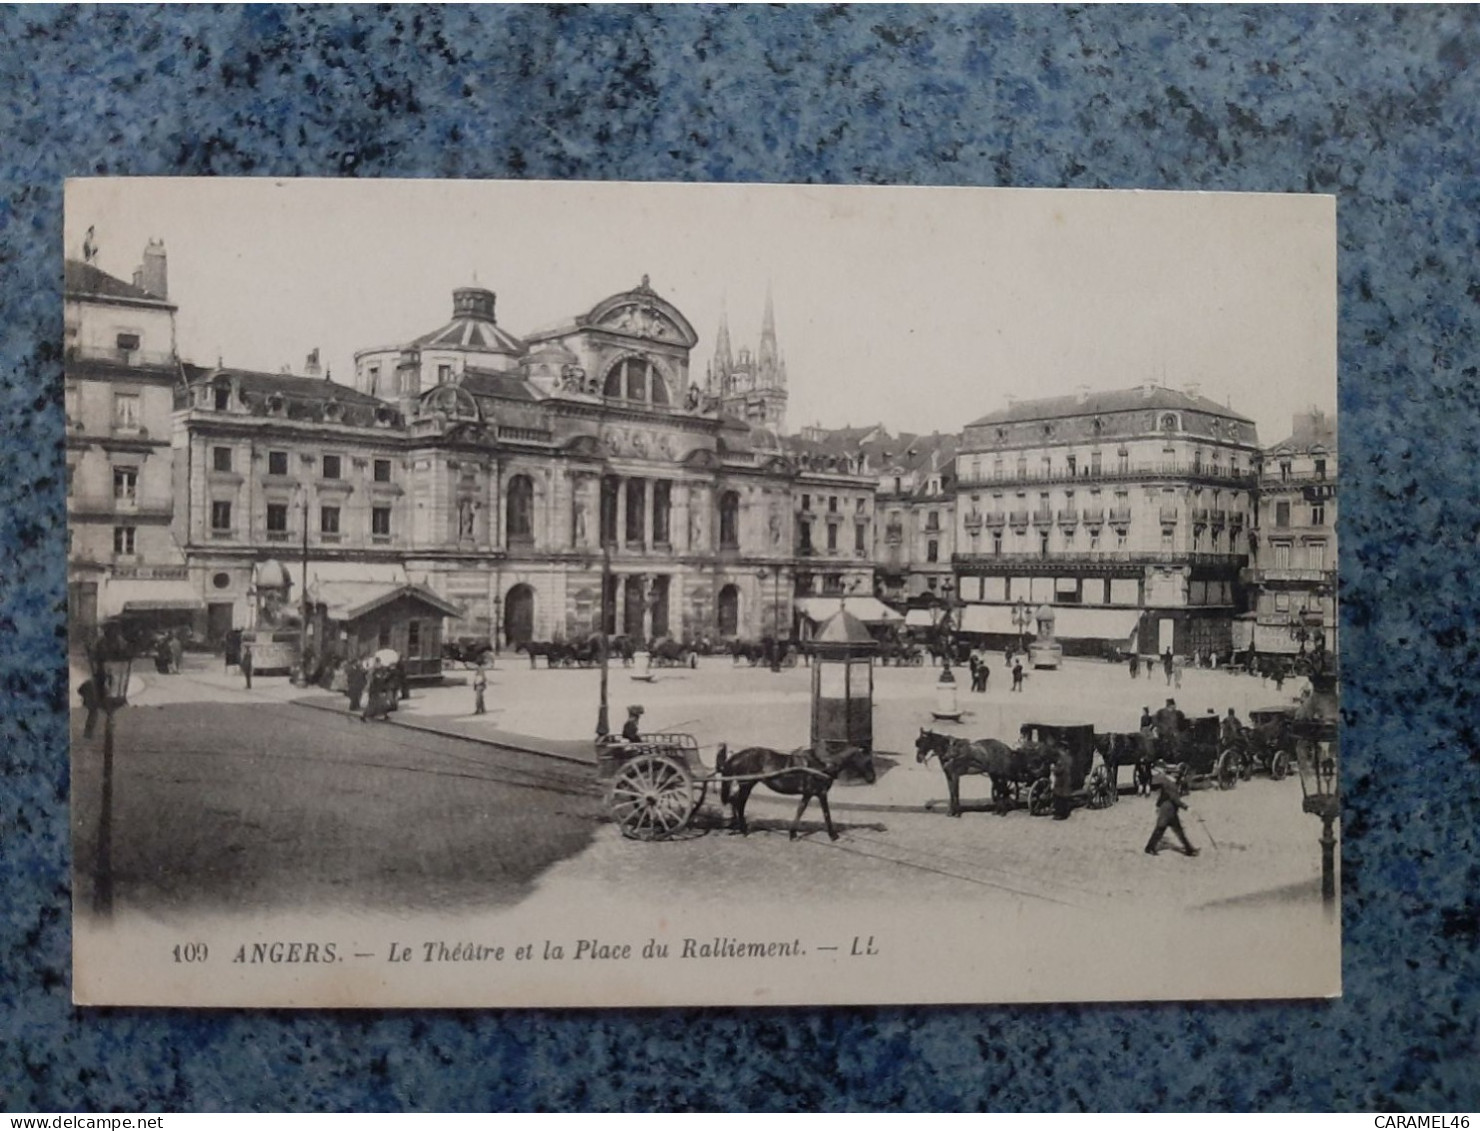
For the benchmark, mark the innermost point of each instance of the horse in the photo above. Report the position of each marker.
(668, 652)
(803, 772)
(1134, 747)
(1007, 766)
(536, 648)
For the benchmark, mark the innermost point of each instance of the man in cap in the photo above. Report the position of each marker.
(630, 729)
(1168, 802)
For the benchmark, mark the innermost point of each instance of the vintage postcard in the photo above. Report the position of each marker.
(576, 594)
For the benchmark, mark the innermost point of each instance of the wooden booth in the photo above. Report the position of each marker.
(357, 618)
(843, 684)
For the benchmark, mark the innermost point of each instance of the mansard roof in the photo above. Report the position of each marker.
(1105, 402)
(302, 398)
(81, 278)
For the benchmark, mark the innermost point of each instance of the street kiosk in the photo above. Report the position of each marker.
(843, 684)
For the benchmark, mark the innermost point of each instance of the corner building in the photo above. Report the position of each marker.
(1126, 512)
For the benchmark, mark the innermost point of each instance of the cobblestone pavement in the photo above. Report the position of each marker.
(264, 799)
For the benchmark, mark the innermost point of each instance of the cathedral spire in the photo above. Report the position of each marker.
(766, 357)
(723, 361)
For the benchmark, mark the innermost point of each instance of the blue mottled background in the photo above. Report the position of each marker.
(1377, 105)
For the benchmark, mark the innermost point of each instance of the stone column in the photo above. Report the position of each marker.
(619, 536)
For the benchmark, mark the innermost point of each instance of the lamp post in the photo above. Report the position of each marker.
(608, 593)
(775, 572)
(1022, 619)
(1316, 759)
(303, 597)
(946, 626)
(111, 664)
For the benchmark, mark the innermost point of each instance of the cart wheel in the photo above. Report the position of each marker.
(1040, 798)
(1279, 765)
(1227, 770)
(652, 797)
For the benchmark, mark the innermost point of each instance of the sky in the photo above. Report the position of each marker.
(918, 308)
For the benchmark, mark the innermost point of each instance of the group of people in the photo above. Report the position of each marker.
(380, 686)
(1171, 666)
(169, 653)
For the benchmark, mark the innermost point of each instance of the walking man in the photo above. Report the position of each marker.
(88, 689)
(1017, 675)
(1166, 663)
(1135, 665)
(1168, 804)
(246, 665)
(1178, 665)
(177, 653)
(354, 683)
(480, 686)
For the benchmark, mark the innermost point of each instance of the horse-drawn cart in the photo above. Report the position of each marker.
(1268, 743)
(1023, 773)
(1203, 759)
(655, 786)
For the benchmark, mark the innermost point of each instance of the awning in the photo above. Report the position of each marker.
(350, 600)
(988, 618)
(1069, 622)
(1095, 624)
(870, 610)
(919, 618)
(146, 595)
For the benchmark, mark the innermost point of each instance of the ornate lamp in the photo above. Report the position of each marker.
(112, 664)
(1316, 758)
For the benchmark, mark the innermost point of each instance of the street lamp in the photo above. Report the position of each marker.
(1316, 758)
(946, 627)
(608, 593)
(764, 572)
(303, 673)
(111, 664)
(1022, 619)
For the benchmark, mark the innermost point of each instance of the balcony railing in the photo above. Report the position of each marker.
(120, 356)
(1291, 574)
(1093, 516)
(1018, 518)
(1200, 516)
(973, 520)
(1168, 516)
(1043, 517)
(1069, 517)
(1219, 518)
(279, 535)
(997, 520)
(1109, 557)
(1206, 473)
(1121, 516)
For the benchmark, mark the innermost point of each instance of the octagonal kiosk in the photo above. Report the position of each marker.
(843, 684)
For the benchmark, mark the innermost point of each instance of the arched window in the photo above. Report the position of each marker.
(729, 521)
(728, 609)
(520, 514)
(1169, 422)
(636, 379)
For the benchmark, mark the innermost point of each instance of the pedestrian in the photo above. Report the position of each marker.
(975, 665)
(1147, 722)
(1007, 656)
(1063, 786)
(631, 729)
(177, 653)
(162, 655)
(480, 686)
(1178, 665)
(1017, 675)
(354, 683)
(246, 665)
(88, 689)
(377, 693)
(1168, 805)
(1166, 663)
(403, 684)
(983, 673)
(1135, 665)
(1279, 675)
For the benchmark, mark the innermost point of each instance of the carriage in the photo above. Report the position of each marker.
(1202, 758)
(1022, 774)
(1268, 743)
(655, 785)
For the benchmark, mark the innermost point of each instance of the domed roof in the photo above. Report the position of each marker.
(843, 628)
(472, 326)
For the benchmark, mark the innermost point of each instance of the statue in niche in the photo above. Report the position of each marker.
(466, 516)
(580, 517)
(692, 401)
(775, 523)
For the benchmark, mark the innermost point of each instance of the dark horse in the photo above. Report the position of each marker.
(803, 772)
(1134, 747)
(1008, 767)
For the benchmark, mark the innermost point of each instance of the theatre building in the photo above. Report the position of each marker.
(1126, 512)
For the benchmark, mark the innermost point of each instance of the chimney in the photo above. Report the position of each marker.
(153, 275)
(311, 363)
(1148, 390)
(1192, 389)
